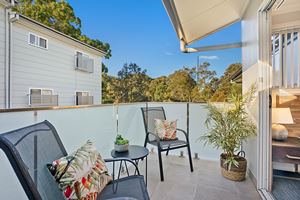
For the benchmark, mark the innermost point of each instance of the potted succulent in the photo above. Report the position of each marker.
(229, 125)
(121, 144)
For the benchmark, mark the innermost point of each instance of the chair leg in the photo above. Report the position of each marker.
(160, 166)
(145, 143)
(190, 158)
(168, 151)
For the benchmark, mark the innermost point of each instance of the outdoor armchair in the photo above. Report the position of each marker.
(29, 149)
(149, 115)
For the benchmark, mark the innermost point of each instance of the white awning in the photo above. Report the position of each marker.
(195, 19)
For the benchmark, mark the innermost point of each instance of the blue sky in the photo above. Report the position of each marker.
(140, 31)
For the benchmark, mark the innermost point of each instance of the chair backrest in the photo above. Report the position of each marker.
(29, 149)
(149, 114)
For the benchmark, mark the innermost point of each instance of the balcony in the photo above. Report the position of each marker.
(43, 100)
(101, 123)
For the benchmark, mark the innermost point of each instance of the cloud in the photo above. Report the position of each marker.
(209, 57)
(169, 53)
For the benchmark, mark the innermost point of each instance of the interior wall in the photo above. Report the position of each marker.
(288, 98)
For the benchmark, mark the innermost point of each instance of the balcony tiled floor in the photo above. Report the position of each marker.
(204, 183)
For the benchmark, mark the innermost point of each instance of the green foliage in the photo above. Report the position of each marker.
(229, 124)
(120, 140)
(60, 16)
(180, 86)
(131, 85)
(206, 81)
(225, 87)
(108, 91)
(158, 89)
(134, 85)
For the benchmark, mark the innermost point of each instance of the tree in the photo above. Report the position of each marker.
(60, 16)
(206, 82)
(180, 86)
(225, 87)
(108, 90)
(158, 89)
(131, 84)
(202, 75)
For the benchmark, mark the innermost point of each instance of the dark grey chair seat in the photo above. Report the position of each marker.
(132, 187)
(29, 149)
(165, 144)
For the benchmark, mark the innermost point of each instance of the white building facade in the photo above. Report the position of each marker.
(40, 66)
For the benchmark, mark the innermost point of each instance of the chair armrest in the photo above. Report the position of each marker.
(185, 134)
(125, 160)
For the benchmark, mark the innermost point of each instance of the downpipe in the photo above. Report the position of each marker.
(10, 17)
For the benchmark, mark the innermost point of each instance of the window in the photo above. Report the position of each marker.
(285, 59)
(84, 98)
(38, 41)
(41, 91)
(42, 97)
(84, 63)
(43, 43)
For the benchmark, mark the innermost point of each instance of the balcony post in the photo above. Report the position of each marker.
(147, 116)
(188, 118)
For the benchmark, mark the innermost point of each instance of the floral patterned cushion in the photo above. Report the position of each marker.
(165, 130)
(81, 175)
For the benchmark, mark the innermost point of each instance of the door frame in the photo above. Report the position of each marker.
(264, 172)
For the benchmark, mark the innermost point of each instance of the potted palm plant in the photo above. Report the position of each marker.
(229, 125)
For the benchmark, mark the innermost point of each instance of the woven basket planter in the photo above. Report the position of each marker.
(235, 173)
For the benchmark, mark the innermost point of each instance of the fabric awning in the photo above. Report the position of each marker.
(195, 19)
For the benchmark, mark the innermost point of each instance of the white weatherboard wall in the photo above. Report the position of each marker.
(98, 124)
(250, 71)
(52, 68)
(2, 55)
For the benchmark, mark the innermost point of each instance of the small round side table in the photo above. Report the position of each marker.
(134, 153)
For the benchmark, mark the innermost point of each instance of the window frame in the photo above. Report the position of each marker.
(37, 41)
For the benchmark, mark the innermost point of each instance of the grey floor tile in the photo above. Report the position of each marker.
(205, 183)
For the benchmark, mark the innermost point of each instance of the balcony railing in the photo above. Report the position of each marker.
(84, 100)
(101, 123)
(43, 100)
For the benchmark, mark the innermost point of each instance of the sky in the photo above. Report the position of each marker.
(139, 31)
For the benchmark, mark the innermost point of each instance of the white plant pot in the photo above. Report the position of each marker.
(121, 148)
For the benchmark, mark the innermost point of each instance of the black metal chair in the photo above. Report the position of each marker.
(151, 113)
(29, 149)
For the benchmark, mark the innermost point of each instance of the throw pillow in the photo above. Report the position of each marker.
(165, 130)
(82, 174)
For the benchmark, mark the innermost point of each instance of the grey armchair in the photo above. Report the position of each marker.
(29, 149)
(151, 113)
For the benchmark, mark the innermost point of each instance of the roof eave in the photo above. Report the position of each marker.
(174, 18)
(62, 34)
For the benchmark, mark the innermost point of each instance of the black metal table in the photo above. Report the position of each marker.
(134, 153)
